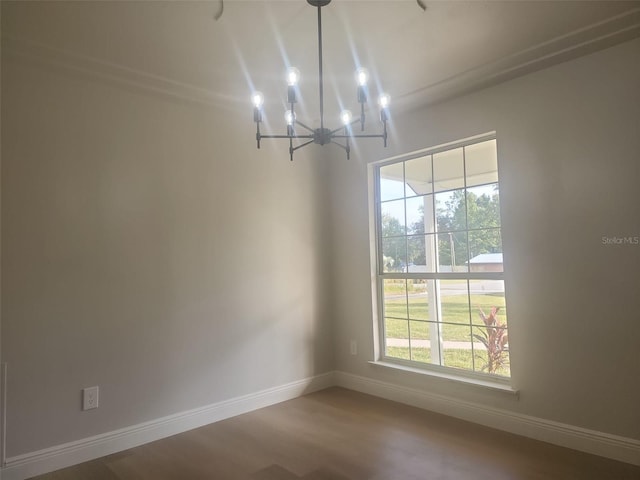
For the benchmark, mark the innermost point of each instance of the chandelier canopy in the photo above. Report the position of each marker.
(322, 135)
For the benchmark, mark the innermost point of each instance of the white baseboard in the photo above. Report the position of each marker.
(590, 441)
(61, 456)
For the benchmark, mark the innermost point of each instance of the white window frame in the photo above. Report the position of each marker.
(378, 277)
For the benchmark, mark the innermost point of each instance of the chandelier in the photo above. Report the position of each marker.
(321, 135)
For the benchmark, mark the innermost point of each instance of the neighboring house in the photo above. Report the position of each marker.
(486, 262)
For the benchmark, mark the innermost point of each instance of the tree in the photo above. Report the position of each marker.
(481, 218)
(394, 246)
(477, 214)
(480, 214)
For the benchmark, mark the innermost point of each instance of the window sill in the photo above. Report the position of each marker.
(489, 384)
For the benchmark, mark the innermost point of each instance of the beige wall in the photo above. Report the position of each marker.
(568, 148)
(150, 249)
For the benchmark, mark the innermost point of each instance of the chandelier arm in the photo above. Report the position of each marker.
(304, 126)
(356, 135)
(320, 79)
(348, 146)
(287, 136)
(298, 147)
(384, 134)
(342, 127)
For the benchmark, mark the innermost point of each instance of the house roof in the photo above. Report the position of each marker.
(487, 258)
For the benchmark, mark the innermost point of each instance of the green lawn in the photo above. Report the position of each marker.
(454, 358)
(406, 312)
(455, 310)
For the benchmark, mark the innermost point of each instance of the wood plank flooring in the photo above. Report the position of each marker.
(337, 434)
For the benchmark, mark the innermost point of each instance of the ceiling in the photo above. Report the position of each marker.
(417, 56)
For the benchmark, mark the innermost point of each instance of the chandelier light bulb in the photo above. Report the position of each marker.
(345, 117)
(257, 99)
(384, 100)
(293, 76)
(289, 117)
(362, 77)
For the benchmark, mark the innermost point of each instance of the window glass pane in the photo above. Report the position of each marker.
(391, 182)
(397, 338)
(394, 254)
(416, 254)
(428, 204)
(454, 301)
(481, 163)
(456, 347)
(418, 331)
(452, 252)
(415, 214)
(418, 300)
(483, 206)
(418, 176)
(421, 254)
(487, 295)
(491, 346)
(489, 316)
(420, 341)
(485, 248)
(392, 218)
(480, 356)
(451, 211)
(448, 170)
(395, 298)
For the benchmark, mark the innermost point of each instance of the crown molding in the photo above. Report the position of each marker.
(583, 41)
(46, 56)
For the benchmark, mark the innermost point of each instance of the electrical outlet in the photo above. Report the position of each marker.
(89, 398)
(354, 347)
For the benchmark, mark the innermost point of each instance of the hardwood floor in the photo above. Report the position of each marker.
(338, 434)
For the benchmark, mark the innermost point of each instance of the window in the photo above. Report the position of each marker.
(439, 259)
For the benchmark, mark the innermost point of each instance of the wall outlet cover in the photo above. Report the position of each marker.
(89, 398)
